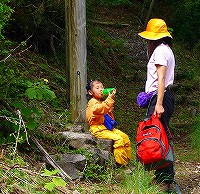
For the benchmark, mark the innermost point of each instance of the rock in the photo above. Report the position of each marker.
(86, 140)
(78, 140)
(75, 128)
(72, 164)
(99, 156)
(75, 164)
(105, 144)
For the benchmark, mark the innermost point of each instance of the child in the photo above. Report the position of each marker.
(95, 112)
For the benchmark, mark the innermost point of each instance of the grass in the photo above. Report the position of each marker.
(19, 176)
(16, 177)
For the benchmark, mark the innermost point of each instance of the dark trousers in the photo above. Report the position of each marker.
(166, 174)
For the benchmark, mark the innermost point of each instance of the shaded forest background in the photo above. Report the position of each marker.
(33, 77)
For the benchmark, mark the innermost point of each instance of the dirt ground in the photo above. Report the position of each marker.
(188, 177)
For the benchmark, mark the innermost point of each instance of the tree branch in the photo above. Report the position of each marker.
(16, 49)
(6, 105)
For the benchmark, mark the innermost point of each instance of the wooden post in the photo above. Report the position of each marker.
(76, 58)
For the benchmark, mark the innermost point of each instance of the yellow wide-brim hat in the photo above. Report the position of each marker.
(156, 29)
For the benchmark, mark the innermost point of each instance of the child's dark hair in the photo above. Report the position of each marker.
(89, 87)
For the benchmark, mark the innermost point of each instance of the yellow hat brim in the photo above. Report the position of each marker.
(154, 36)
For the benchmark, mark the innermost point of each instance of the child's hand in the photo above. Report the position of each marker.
(112, 95)
(111, 109)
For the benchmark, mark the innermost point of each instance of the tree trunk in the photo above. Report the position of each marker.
(76, 58)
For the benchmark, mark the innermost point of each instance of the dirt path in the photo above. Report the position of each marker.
(188, 177)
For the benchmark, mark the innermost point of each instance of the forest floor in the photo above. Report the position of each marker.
(187, 171)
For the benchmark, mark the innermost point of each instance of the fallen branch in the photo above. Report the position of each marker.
(109, 23)
(51, 161)
(6, 105)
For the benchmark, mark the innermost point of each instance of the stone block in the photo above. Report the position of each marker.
(72, 164)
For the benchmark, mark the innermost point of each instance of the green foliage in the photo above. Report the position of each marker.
(103, 47)
(4, 47)
(11, 81)
(91, 4)
(9, 125)
(94, 171)
(14, 179)
(56, 181)
(187, 23)
(30, 113)
(100, 41)
(5, 13)
(40, 90)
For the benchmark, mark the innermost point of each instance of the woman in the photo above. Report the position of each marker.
(160, 77)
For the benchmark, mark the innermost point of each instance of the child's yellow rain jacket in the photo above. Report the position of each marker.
(95, 116)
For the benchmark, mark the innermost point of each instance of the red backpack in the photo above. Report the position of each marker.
(152, 148)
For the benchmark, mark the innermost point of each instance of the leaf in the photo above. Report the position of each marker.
(26, 111)
(46, 96)
(49, 186)
(18, 105)
(59, 182)
(44, 66)
(2, 139)
(10, 138)
(51, 93)
(22, 138)
(39, 94)
(31, 93)
(16, 127)
(50, 173)
(35, 111)
(55, 171)
(46, 173)
(31, 124)
(29, 84)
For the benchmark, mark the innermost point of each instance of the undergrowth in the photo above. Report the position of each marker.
(19, 176)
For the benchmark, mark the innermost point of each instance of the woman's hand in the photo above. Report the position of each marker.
(159, 110)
